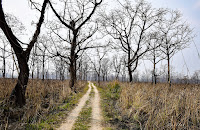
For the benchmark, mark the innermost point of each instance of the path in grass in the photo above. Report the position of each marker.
(75, 112)
(96, 111)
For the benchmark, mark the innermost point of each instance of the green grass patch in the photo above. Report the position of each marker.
(110, 93)
(92, 92)
(83, 120)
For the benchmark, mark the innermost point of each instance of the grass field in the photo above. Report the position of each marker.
(47, 103)
(147, 106)
(124, 105)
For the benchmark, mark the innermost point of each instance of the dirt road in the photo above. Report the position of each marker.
(96, 111)
(75, 112)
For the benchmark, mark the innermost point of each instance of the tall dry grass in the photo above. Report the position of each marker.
(42, 98)
(147, 106)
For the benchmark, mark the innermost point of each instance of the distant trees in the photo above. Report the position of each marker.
(175, 36)
(16, 26)
(196, 77)
(33, 61)
(4, 55)
(22, 54)
(117, 65)
(98, 62)
(130, 27)
(76, 21)
(60, 68)
(85, 67)
(105, 69)
(42, 46)
(154, 54)
(123, 69)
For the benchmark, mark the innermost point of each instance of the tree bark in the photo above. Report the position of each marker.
(4, 66)
(154, 70)
(18, 93)
(168, 77)
(73, 76)
(129, 66)
(99, 79)
(13, 69)
(73, 62)
(130, 74)
(43, 65)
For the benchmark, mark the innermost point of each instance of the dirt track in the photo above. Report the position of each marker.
(96, 111)
(68, 124)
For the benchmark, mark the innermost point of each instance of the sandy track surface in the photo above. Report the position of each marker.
(96, 111)
(68, 124)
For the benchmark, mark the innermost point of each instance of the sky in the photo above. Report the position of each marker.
(189, 8)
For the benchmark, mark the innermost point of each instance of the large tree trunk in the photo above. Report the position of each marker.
(73, 67)
(32, 75)
(154, 71)
(18, 93)
(72, 76)
(73, 58)
(13, 69)
(168, 77)
(99, 79)
(129, 67)
(103, 77)
(4, 66)
(130, 74)
(43, 59)
(4, 60)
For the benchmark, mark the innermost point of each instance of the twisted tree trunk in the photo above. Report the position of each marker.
(18, 93)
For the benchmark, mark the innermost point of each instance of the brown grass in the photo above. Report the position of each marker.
(146, 106)
(43, 99)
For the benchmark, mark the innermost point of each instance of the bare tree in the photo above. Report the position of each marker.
(196, 77)
(105, 67)
(117, 65)
(85, 67)
(4, 56)
(130, 26)
(77, 23)
(42, 45)
(175, 36)
(33, 60)
(136, 76)
(18, 93)
(97, 62)
(154, 54)
(123, 68)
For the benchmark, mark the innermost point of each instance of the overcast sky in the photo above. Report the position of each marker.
(189, 8)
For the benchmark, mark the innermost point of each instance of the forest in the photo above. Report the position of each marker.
(99, 60)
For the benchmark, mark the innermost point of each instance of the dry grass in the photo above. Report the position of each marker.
(43, 102)
(145, 106)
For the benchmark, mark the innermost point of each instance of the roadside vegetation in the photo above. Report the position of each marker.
(48, 103)
(147, 106)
